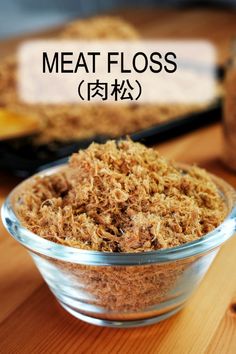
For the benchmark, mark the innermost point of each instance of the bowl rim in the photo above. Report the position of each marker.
(42, 246)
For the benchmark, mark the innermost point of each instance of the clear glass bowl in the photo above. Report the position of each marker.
(122, 289)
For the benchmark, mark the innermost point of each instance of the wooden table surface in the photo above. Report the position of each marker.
(31, 321)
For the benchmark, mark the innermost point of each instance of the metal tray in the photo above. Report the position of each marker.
(23, 158)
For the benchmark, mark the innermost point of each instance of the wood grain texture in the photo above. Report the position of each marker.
(224, 340)
(31, 321)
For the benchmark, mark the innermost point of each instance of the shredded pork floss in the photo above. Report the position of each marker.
(121, 197)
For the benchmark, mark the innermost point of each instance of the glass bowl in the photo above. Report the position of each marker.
(122, 289)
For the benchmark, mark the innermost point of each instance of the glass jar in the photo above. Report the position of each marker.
(229, 144)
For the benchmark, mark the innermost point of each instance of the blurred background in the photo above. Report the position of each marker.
(22, 16)
(31, 136)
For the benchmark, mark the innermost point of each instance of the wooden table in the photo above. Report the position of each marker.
(31, 321)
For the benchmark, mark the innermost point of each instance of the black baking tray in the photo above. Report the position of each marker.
(23, 158)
